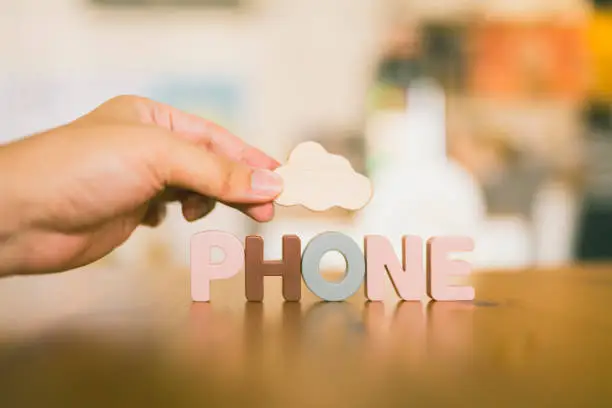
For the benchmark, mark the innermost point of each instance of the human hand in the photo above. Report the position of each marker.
(71, 195)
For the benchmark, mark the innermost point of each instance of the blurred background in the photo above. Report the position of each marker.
(483, 118)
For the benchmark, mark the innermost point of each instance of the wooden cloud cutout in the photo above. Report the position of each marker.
(319, 180)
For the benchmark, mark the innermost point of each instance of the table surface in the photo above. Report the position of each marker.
(125, 338)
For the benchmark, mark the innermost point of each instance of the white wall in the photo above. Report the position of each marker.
(306, 61)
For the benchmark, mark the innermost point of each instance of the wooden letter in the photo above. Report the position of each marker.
(355, 266)
(289, 268)
(440, 268)
(203, 270)
(408, 278)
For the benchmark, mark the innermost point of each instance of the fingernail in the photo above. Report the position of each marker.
(266, 183)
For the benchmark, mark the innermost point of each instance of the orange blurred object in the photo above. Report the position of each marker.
(511, 60)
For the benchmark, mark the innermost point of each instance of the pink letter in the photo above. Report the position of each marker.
(408, 279)
(203, 270)
(440, 268)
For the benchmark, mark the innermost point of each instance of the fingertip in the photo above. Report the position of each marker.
(261, 213)
(155, 215)
(273, 164)
(196, 207)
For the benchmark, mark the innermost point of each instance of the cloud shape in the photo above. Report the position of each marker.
(319, 180)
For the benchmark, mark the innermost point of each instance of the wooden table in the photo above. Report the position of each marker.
(116, 338)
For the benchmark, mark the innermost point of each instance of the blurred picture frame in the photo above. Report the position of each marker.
(217, 98)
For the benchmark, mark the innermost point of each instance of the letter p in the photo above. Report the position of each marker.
(203, 270)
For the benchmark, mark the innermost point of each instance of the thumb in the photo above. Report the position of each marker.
(212, 174)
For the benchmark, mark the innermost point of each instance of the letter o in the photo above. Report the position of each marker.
(355, 266)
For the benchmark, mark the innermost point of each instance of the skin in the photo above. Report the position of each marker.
(76, 192)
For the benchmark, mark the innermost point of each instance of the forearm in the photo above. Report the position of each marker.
(11, 216)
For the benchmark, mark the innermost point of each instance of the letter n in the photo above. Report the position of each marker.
(408, 278)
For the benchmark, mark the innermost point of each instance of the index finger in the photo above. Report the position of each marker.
(209, 134)
(217, 139)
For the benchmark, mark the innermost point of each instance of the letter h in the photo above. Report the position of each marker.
(289, 268)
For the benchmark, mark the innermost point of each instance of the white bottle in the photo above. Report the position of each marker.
(418, 190)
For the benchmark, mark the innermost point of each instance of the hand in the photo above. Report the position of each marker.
(71, 195)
